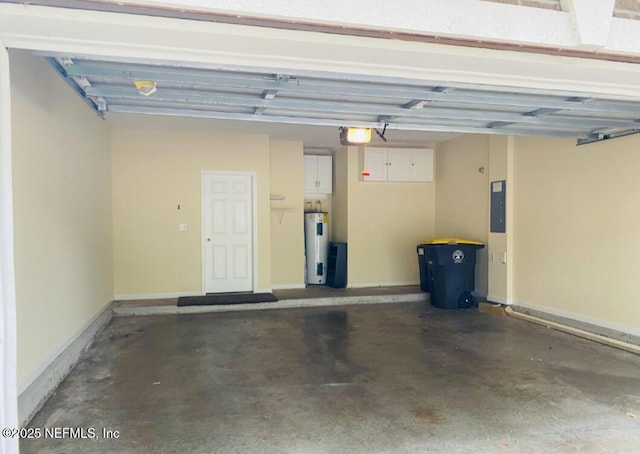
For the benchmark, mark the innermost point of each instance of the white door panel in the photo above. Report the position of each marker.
(240, 217)
(219, 226)
(399, 164)
(240, 259)
(422, 162)
(310, 174)
(227, 233)
(219, 262)
(375, 163)
(325, 174)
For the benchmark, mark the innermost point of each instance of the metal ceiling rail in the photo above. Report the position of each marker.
(307, 107)
(323, 98)
(296, 84)
(435, 127)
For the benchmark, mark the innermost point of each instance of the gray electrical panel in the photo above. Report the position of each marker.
(498, 206)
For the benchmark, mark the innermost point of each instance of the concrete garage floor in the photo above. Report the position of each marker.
(402, 377)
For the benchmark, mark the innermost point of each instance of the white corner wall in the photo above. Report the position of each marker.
(577, 218)
(62, 214)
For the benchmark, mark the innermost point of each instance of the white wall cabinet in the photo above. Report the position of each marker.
(318, 174)
(376, 164)
(398, 164)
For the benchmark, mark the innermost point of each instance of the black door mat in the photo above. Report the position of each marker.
(214, 299)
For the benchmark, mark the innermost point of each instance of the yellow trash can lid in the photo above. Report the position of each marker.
(453, 241)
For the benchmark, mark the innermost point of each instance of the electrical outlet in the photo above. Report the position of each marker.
(182, 227)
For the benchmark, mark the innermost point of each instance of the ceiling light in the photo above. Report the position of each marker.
(145, 87)
(355, 136)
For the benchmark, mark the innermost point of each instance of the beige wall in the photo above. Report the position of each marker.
(287, 232)
(62, 209)
(462, 195)
(386, 223)
(340, 197)
(500, 247)
(154, 171)
(577, 218)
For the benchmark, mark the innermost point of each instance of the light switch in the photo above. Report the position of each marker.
(182, 227)
(504, 257)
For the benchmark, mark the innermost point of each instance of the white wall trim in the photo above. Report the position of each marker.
(499, 299)
(153, 296)
(445, 18)
(288, 286)
(580, 318)
(382, 284)
(42, 382)
(8, 353)
(206, 43)
(591, 20)
(254, 214)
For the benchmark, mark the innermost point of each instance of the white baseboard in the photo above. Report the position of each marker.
(288, 286)
(153, 296)
(382, 284)
(499, 299)
(42, 382)
(596, 322)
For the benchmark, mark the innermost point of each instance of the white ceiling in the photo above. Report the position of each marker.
(313, 137)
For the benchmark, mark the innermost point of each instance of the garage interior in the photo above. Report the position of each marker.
(102, 210)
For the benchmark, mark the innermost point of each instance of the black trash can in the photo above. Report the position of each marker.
(337, 265)
(451, 269)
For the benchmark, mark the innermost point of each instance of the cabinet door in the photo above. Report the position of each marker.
(399, 164)
(310, 174)
(325, 172)
(375, 162)
(422, 165)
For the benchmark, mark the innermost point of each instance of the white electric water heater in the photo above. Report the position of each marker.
(316, 237)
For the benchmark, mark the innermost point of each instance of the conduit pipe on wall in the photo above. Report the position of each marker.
(576, 332)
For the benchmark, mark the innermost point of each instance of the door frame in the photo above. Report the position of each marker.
(254, 222)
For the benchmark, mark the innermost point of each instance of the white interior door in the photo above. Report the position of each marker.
(227, 233)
